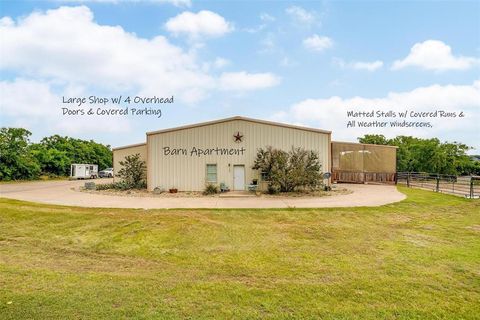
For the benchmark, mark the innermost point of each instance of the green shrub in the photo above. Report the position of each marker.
(272, 189)
(121, 185)
(285, 171)
(105, 186)
(133, 173)
(210, 189)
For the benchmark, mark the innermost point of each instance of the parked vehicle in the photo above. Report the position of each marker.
(83, 171)
(106, 173)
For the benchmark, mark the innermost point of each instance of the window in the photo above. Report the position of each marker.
(211, 173)
(264, 176)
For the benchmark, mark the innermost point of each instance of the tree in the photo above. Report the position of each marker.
(373, 139)
(473, 166)
(133, 172)
(288, 171)
(51, 161)
(56, 153)
(16, 161)
(20, 159)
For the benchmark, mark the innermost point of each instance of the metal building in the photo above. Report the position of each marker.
(221, 151)
(120, 153)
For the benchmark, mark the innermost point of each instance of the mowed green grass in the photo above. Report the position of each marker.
(417, 259)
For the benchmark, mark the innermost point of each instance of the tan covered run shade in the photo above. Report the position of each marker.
(357, 157)
(348, 157)
(379, 159)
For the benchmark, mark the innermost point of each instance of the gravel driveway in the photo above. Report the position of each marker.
(66, 193)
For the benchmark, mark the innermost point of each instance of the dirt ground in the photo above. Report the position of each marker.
(68, 193)
(336, 190)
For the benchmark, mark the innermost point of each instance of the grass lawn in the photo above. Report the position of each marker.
(417, 259)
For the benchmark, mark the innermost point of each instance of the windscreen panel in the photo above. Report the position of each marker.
(379, 159)
(347, 157)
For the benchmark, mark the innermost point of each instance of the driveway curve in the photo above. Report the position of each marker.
(67, 193)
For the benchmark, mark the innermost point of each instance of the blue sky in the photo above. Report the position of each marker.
(291, 61)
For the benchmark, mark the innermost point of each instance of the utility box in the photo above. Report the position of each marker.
(83, 171)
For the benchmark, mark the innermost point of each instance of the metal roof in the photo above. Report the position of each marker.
(201, 124)
(130, 146)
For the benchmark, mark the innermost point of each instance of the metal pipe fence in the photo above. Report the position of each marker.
(467, 186)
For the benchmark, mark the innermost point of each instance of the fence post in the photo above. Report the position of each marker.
(471, 187)
(408, 179)
(437, 187)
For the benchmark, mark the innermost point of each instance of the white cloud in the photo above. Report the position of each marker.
(24, 97)
(435, 55)
(265, 17)
(33, 104)
(220, 63)
(178, 3)
(331, 113)
(202, 24)
(369, 66)
(359, 65)
(287, 62)
(66, 45)
(280, 116)
(6, 22)
(255, 29)
(317, 43)
(268, 44)
(243, 81)
(65, 52)
(300, 15)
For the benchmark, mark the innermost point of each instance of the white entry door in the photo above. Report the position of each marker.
(238, 177)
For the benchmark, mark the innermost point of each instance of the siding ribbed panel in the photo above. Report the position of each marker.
(188, 173)
(121, 153)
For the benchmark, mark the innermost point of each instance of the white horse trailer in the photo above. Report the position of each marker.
(83, 171)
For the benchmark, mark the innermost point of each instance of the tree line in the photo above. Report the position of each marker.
(52, 156)
(428, 155)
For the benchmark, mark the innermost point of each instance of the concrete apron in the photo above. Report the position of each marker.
(66, 193)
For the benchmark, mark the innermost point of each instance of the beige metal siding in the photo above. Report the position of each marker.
(119, 154)
(188, 172)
